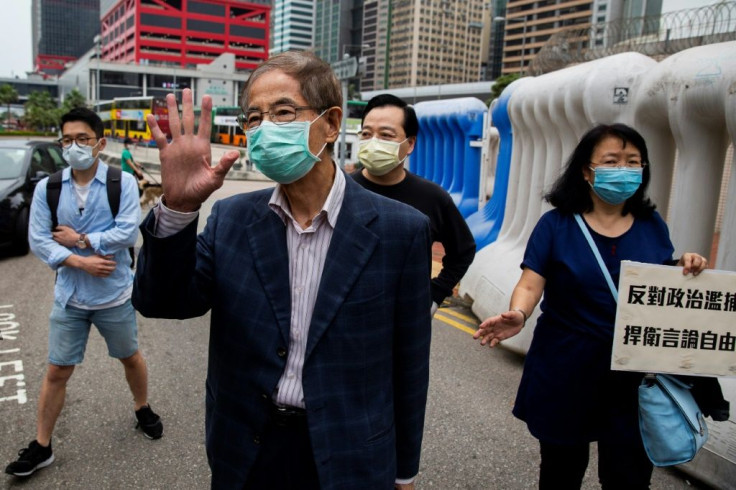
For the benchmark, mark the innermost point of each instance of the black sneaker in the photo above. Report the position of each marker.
(149, 423)
(30, 459)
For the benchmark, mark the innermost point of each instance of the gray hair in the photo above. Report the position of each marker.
(319, 86)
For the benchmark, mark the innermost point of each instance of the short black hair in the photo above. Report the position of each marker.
(571, 192)
(87, 116)
(127, 141)
(410, 125)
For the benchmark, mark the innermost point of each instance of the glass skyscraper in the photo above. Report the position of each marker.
(292, 25)
(63, 30)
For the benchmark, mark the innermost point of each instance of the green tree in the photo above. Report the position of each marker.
(8, 95)
(73, 99)
(41, 111)
(500, 84)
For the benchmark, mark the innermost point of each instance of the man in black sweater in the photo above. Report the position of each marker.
(388, 134)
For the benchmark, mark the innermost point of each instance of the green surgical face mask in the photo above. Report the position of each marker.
(379, 156)
(281, 151)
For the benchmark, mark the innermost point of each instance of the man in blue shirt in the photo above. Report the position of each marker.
(94, 283)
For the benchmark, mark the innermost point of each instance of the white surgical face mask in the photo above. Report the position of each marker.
(379, 156)
(79, 158)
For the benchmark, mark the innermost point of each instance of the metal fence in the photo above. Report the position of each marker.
(655, 36)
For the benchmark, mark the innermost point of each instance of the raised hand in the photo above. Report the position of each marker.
(187, 175)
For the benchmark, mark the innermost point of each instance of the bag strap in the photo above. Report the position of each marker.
(598, 257)
(53, 191)
(681, 395)
(113, 185)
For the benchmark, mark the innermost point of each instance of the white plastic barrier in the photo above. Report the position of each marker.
(548, 114)
(684, 105)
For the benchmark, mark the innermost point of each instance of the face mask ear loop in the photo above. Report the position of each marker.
(401, 162)
(321, 150)
(310, 125)
(320, 115)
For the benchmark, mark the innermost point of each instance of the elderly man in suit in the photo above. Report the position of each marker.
(318, 289)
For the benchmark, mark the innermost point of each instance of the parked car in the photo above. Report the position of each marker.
(23, 164)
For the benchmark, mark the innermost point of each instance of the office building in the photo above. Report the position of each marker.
(185, 34)
(338, 29)
(495, 24)
(292, 26)
(529, 24)
(416, 43)
(62, 31)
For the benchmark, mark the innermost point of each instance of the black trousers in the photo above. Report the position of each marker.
(285, 460)
(620, 466)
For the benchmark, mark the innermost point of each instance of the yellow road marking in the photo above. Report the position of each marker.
(441, 317)
(459, 315)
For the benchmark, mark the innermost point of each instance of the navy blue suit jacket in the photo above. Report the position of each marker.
(366, 371)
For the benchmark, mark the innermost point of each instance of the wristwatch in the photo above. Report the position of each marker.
(81, 243)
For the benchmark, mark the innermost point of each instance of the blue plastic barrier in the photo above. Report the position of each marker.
(444, 154)
(486, 223)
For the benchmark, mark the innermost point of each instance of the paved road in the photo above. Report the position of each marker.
(471, 439)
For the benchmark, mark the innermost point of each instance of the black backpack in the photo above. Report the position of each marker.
(113, 186)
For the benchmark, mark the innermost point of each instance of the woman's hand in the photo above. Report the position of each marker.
(692, 262)
(500, 327)
(187, 176)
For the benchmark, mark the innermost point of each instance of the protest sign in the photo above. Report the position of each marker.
(671, 323)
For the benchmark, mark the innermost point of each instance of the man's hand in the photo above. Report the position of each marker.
(94, 265)
(65, 236)
(187, 176)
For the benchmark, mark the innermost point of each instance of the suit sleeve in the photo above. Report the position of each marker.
(173, 278)
(411, 353)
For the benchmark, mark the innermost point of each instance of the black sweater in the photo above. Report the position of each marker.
(447, 225)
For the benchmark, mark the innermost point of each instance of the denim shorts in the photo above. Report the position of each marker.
(69, 330)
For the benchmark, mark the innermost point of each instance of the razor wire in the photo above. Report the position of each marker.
(656, 36)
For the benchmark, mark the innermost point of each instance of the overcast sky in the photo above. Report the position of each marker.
(15, 33)
(15, 38)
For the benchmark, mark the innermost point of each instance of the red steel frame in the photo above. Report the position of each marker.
(139, 42)
(47, 62)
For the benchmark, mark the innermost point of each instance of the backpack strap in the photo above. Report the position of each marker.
(114, 188)
(53, 191)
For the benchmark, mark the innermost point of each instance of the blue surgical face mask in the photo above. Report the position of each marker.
(615, 185)
(79, 157)
(281, 151)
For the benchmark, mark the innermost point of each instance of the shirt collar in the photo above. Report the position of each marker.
(331, 207)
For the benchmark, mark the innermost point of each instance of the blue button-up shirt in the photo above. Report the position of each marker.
(106, 235)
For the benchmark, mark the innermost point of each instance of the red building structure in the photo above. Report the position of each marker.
(46, 64)
(185, 33)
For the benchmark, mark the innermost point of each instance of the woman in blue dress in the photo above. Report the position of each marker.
(568, 394)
